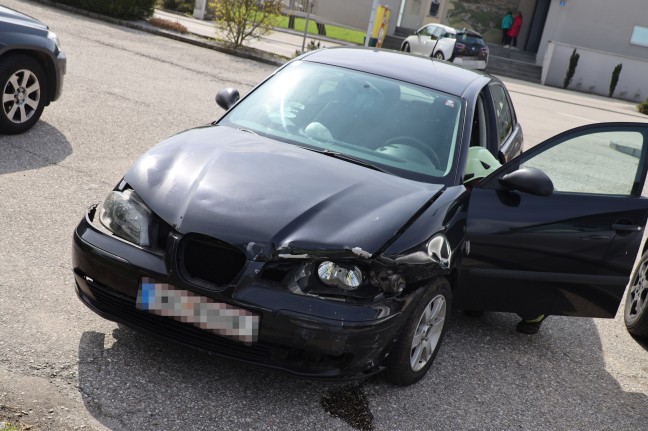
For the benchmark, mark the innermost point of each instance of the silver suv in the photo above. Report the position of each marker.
(32, 66)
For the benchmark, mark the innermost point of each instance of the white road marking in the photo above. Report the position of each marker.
(577, 117)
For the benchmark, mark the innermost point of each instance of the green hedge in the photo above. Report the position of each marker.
(643, 107)
(124, 9)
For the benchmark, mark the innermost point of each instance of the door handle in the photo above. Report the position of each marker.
(619, 227)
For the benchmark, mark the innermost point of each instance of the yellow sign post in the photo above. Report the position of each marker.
(381, 25)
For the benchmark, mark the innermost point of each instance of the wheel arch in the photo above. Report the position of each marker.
(46, 63)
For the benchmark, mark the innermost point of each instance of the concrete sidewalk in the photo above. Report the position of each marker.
(288, 43)
(284, 43)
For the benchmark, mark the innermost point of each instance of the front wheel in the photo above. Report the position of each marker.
(636, 306)
(22, 83)
(439, 56)
(406, 47)
(420, 340)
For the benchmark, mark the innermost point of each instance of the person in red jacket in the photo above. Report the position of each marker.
(515, 29)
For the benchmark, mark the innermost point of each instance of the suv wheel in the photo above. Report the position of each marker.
(23, 85)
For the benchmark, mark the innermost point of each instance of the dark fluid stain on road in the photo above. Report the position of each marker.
(350, 404)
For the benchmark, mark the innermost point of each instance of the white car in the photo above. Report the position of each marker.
(432, 40)
(464, 47)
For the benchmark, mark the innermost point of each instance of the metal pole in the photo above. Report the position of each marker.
(308, 12)
(372, 20)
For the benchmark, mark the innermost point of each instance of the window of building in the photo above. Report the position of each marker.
(639, 36)
(434, 7)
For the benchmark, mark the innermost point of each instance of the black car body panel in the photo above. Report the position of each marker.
(243, 189)
(245, 213)
(411, 68)
(566, 254)
(24, 34)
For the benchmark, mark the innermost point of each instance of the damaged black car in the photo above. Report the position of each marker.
(324, 225)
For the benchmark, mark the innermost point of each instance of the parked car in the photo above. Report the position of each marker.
(464, 47)
(321, 226)
(32, 67)
(636, 303)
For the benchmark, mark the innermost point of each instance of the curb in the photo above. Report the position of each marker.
(247, 53)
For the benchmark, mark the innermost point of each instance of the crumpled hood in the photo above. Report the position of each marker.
(246, 189)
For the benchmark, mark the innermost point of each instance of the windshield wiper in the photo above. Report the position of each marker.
(248, 131)
(347, 158)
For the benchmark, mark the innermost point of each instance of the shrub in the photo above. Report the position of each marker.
(643, 107)
(242, 19)
(615, 78)
(571, 70)
(168, 25)
(124, 9)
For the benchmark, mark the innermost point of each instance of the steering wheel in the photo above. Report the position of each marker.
(419, 145)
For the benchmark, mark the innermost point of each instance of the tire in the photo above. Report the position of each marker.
(439, 55)
(636, 306)
(24, 93)
(421, 336)
(406, 47)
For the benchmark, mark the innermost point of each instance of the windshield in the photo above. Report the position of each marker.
(401, 128)
(466, 38)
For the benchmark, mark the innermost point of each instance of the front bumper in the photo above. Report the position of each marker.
(471, 62)
(61, 68)
(305, 335)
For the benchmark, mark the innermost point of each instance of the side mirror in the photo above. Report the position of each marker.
(227, 97)
(528, 180)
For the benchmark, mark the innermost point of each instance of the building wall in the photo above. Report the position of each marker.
(594, 72)
(603, 25)
(353, 13)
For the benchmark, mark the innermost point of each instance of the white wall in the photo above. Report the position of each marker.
(354, 13)
(605, 25)
(594, 72)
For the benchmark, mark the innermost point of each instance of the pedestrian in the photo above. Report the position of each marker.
(507, 23)
(515, 29)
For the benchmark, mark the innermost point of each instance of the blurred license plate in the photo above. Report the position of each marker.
(185, 306)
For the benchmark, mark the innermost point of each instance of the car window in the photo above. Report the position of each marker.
(600, 163)
(437, 33)
(470, 39)
(427, 30)
(403, 128)
(503, 113)
(479, 133)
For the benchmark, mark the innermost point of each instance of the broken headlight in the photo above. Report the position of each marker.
(343, 277)
(125, 215)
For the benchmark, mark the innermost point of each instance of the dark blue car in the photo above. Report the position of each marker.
(322, 226)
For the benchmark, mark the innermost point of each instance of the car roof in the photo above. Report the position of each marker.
(416, 69)
(443, 26)
(470, 33)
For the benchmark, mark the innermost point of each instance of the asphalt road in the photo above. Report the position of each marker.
(62, 367)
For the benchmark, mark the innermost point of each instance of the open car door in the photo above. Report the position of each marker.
(563, 249)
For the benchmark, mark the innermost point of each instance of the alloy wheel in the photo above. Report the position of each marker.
(428, 332)
(21, 96)
(638, 294)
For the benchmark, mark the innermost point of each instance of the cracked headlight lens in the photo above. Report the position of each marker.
(346, 278)
(127, 216)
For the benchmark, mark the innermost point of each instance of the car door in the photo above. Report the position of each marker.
(423, 37)
(569, 251)
(509, 133)
(445, 44)
(429, 44)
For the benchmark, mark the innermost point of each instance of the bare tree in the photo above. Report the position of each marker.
(243, 19)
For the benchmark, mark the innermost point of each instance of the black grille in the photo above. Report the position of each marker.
(206, 260)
